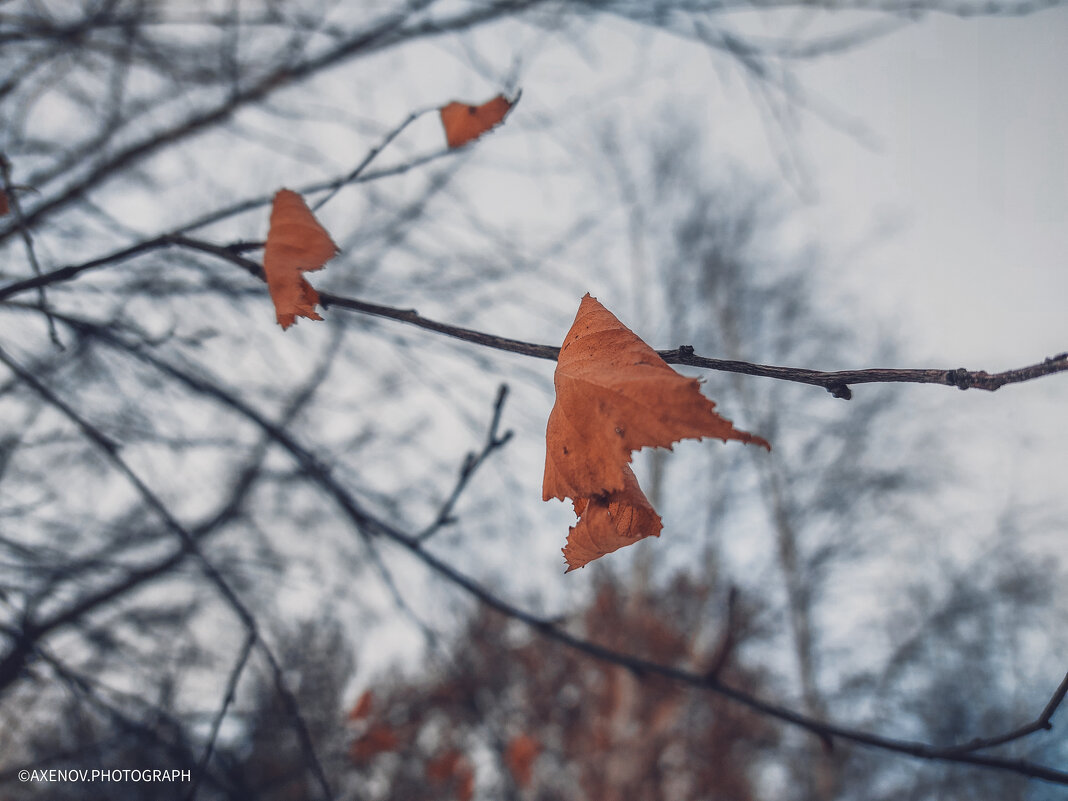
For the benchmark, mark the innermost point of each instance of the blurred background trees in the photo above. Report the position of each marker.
(161, 438)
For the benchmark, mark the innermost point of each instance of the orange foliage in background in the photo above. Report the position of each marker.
(378, 739)
(362, 708)
(452, 769)
(519, 757)
(552, 723)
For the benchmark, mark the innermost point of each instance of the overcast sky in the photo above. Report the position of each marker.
(970, 186)
(972, 176)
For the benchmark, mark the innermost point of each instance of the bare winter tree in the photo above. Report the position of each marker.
(184, 488)
(837, 491)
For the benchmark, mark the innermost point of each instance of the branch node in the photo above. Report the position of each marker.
(840, 391)
(960, 378)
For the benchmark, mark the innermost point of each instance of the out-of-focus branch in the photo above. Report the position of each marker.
(335, 186)
(370, 526)
(470, 466)
(90, 689)
(220, 715)
(390, 31)
(955, 8)
(32, 631)
(31, 254)
(112, 453)
(265, 200)
(1041, 723)
(71, 271)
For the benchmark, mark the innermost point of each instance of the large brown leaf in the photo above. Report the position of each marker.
(615, 395)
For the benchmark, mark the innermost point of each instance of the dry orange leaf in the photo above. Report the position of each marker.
(615, 395)
(464, 123)
(296, 243)
(519, 757)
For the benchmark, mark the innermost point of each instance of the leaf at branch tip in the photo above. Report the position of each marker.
(615, 395)
(464, 123)
(296, 243)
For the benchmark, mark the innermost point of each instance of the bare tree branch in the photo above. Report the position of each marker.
(1041, 723)
(837, 382)
(387, 32)
(9, 190)
(368, 525)
(248, 620)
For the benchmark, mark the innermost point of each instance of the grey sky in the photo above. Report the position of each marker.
(972, 165)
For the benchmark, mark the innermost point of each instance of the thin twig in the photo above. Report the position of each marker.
(263, 201)
(336, 185)
(216, 724)
(1041, 723)
(27, 240)
(70, 271)
(387, 31)
(472, 461)
(837, 383)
